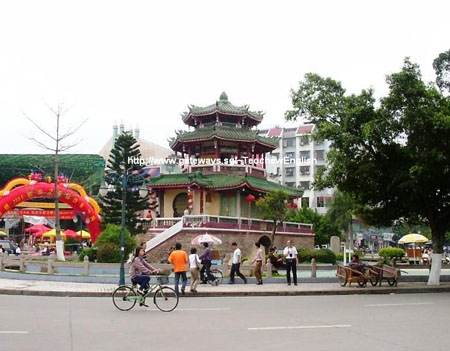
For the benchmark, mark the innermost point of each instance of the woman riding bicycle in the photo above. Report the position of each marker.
(140, 270)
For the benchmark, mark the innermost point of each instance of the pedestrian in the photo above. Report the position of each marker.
(205, 272)
(258, 259)
(236, 264)
(175, 212)
(290, 253)
(186, 211)
(194, 266)
(179, 258)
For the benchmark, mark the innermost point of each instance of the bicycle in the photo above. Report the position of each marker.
(165, 298)
(218, 275)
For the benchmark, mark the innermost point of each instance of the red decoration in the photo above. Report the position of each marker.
(45, 190)
(153, 196)
(250, 198)
(190, 194)
(294, 205)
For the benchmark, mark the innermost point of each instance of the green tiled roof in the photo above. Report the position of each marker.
(220, 181)
(85, 169)
(225, 107)
(228, 133)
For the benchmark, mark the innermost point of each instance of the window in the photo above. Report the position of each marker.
(289, 172)
(304, 185)
(319, 142)
(320, 155)
(304, 140)
(305, 155)
(290, 154)
(304, 170)
(320, 201)
(288, 142)
(291, 184)
(305, 201)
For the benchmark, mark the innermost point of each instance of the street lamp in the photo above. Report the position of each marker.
(78, 218)
(128, 181)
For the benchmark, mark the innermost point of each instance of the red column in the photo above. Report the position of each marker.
(201, 201)
(218, 149)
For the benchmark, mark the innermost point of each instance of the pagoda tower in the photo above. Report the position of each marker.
(223, 158)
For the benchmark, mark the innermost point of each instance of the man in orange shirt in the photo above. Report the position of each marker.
(179, 259)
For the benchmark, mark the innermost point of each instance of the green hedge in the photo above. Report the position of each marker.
(391, 252)
(321, 256)
(90, 252)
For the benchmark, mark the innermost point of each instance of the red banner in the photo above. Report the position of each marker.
(63, 214)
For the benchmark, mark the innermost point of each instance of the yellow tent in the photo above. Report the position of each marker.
(84, 234)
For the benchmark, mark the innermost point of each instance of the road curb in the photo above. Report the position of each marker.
(344, 291)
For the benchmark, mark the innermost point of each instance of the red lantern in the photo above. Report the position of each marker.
(250, 198)
(190, 194)
(153, 196)
(294, 205)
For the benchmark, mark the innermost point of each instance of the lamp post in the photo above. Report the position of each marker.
(127, 181)
(78, 218)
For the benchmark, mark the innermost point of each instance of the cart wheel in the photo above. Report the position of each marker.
(342, 276)
(374, 279)
(362, 282)
(391, 281)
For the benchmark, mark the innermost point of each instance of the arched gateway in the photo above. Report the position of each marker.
(22, 189)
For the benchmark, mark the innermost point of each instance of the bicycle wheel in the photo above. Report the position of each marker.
(124, 298)
(342, 276)
(218, 277)
(391, 281)
(166, 299)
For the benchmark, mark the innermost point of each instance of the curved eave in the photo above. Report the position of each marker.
(256, 140)
(243, 184)
(189, 117)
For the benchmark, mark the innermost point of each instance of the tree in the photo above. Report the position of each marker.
(393, 158)
(441, 66)
(322, 227)
(273, 207)
(340, 212)
(122, 162)
(59, 146)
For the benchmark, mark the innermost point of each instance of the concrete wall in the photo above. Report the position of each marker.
(212, 208)
(169, 196)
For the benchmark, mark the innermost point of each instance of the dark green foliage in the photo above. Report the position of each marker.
(108, 244)
(90, 252)
(125, 149)
(108, 253)
(321, 256)
(71, 244)
(340, 257)
(391, 157)
(391, 252)
(441, 66)
(322, 227)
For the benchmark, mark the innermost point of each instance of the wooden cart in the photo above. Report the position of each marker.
(388, 273)
(348, 275)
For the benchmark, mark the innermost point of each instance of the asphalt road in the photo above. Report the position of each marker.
(366, 322)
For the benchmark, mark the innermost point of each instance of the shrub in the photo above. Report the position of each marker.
(391, 252)
(108, 244)
(71, 244)
(90, 252)
(108, 253)
(340, 257)
(321, 256)
(324, 256)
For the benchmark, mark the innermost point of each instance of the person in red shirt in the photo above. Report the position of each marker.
(179, 259)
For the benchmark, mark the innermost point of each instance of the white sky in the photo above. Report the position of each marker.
(143, 62)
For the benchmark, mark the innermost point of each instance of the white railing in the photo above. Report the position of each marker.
(167, 234)
(236, 168)
(228, 221)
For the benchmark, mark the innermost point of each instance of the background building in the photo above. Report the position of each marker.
(296, 161)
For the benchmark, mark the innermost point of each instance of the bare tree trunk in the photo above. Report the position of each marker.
(274, 230)
(59, 242)
(350, 235)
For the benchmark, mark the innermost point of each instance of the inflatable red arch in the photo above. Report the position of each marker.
(47, 191)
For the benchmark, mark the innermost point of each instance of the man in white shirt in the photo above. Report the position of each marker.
(186, 211)
(290, 253)
(235, 264)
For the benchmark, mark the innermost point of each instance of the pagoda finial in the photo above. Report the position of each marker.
(223, 97)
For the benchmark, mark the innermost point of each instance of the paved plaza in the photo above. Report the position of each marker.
(361, 322)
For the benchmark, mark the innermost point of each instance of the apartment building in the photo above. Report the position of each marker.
(297, 160)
